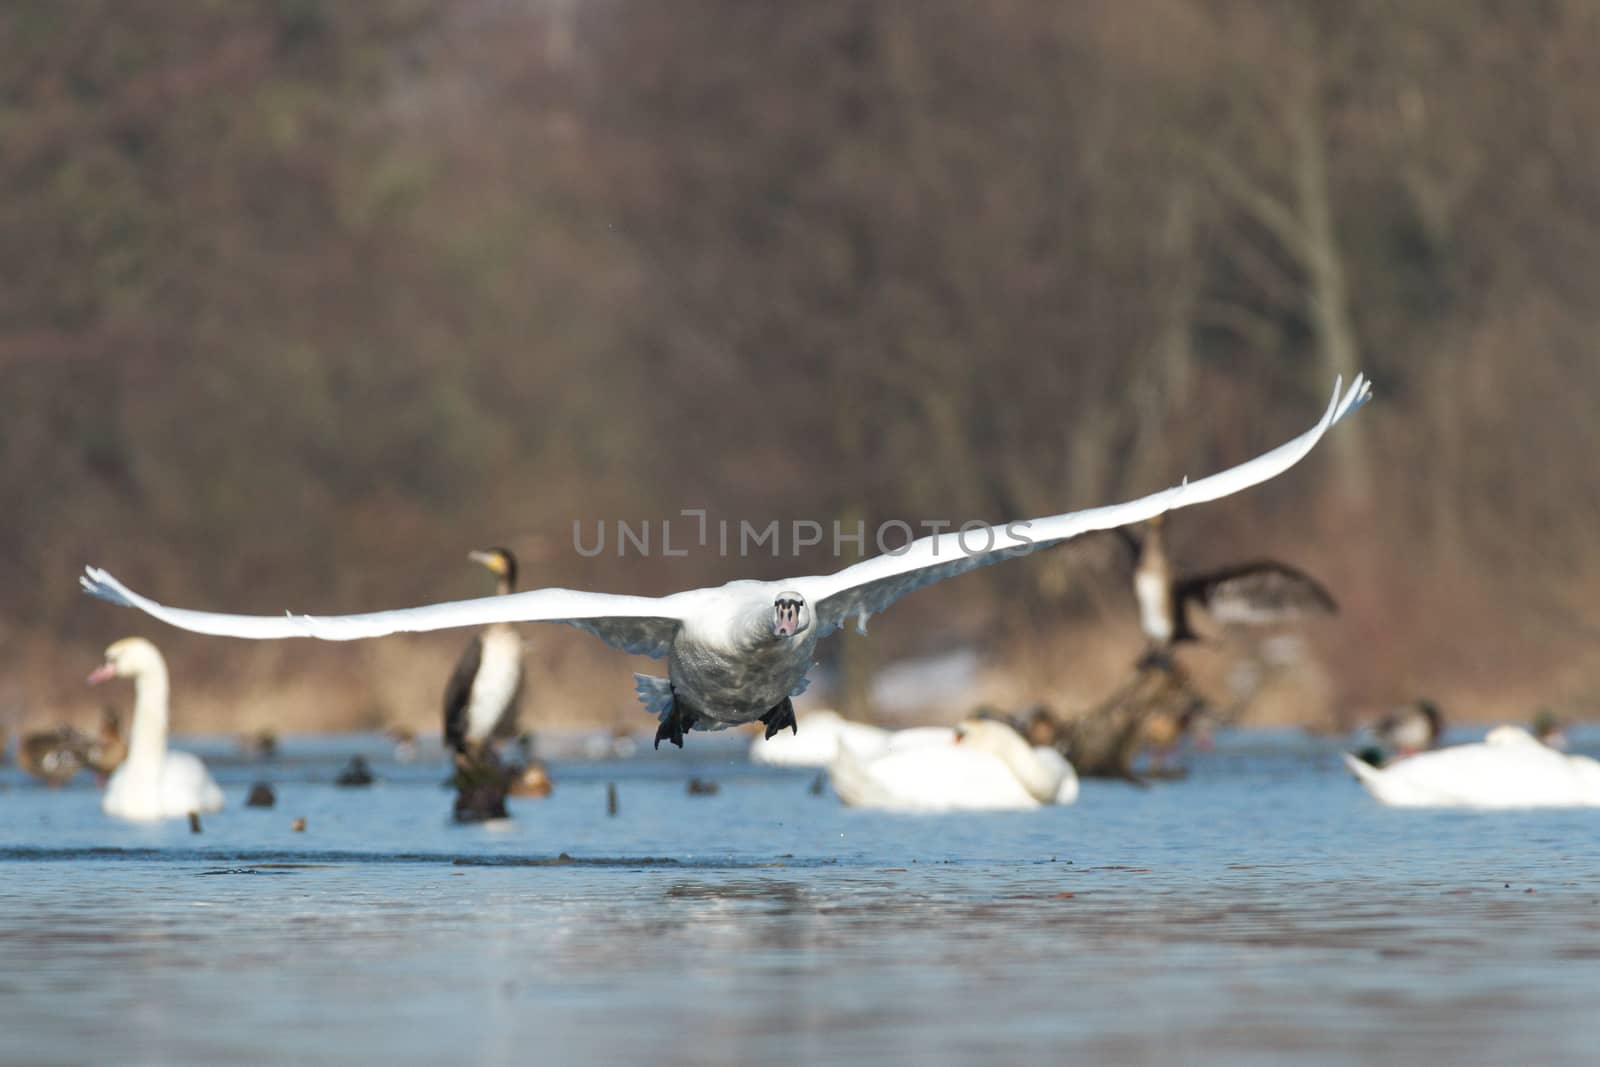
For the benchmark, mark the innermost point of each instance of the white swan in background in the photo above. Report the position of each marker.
(820, 734)
(1510, 768)
(987, 766)
(152, 782)
(737, 653)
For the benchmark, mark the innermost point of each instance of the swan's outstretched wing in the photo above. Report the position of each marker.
(637, 624)
(867, 588)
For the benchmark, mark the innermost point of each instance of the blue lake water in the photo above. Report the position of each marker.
(1264, 910)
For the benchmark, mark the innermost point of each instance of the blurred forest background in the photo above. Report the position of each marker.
(301, 300)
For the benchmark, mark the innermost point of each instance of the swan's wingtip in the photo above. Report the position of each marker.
(1352, 399)
(99, 583)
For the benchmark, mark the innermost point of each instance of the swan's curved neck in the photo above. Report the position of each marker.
(1040, 780)
(147, 740)
(754, 626)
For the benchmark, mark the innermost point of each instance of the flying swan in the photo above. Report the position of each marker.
(737, 653)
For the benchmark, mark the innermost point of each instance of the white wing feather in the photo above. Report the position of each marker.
(867, 588)
(642, 625)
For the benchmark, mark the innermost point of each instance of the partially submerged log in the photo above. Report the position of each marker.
(1154, 709)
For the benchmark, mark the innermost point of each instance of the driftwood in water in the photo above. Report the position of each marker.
(1153, 709)
(482, 783)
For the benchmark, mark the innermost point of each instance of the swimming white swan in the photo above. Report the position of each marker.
(152, 782)
(986, 766)
(1510, 768)
(825, 731)
(737, 653)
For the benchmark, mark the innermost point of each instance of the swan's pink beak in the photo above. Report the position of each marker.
(103, 673)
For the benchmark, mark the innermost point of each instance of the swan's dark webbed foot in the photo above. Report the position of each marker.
(678, 721)
(779, 717)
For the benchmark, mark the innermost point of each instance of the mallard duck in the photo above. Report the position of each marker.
(153, 782)
(1410, 728)
(259, 744)
(357, 774)
(1550, 729)
(532, 779)
(107, 749)
(53, 756)
(1165, 728)
(405, 742)
(738, 653)
(1037, 723)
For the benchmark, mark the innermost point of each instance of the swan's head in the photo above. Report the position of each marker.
(128, 658)
(500, 562)
(790, 614)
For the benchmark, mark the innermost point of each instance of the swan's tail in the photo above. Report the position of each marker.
(851, 780)
(654, 693)
(1365, 772)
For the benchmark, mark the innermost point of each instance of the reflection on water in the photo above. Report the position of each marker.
(1264, 911)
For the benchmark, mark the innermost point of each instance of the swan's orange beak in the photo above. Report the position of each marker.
(103, 673)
